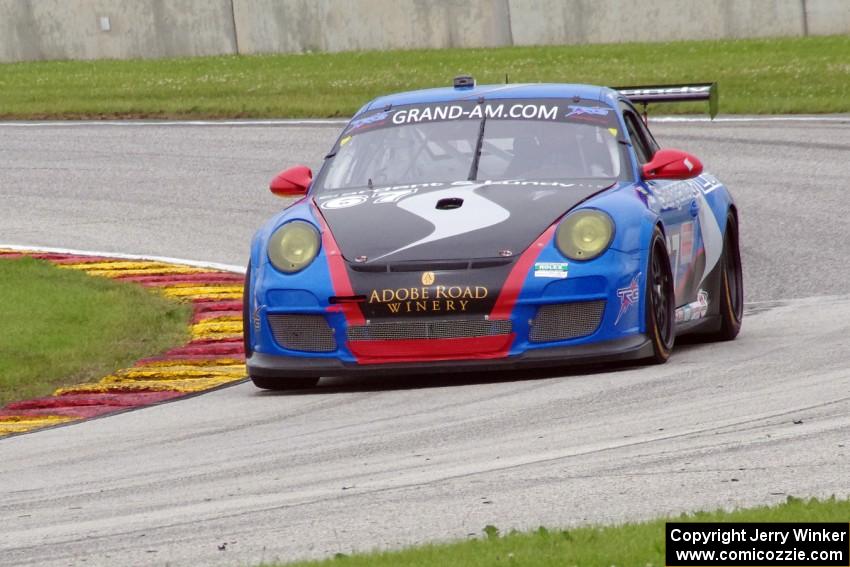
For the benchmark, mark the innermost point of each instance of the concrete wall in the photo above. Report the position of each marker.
(827, 17)
(70, 29)
(603, 21)
(268, 26)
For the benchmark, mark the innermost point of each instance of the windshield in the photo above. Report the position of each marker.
(540, 140)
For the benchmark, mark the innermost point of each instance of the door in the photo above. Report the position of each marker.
(678, 205)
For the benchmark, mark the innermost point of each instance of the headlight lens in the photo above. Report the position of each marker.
(584, 234)
(293, 246)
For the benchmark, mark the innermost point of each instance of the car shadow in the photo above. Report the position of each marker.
(340, 384)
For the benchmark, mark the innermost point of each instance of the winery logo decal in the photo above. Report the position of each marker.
(438, 299)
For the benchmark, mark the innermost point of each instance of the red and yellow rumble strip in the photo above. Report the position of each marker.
(213, 357)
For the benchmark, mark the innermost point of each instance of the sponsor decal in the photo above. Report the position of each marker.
(680, 247)
(344, 202)
(648, 198)
(693, 311)
(526, 111)
(345, 140)
(674, 195)
(437, 299)
(428, 278)
(686, 248)
(680, 193)
(596, 114)
(684, 90)
(371, 120)
(576, 110)
(557, 270)
(706, 183)
(629, 297)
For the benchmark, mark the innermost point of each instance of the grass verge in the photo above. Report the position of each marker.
(60, 327)
(758, 76)
(628, 544)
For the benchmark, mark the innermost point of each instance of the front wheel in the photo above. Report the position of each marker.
(246, 312)
(660, 303)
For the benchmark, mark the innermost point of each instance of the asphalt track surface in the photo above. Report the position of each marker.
(238, 476)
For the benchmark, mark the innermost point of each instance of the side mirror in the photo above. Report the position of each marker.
(292, 182)
(672, 164)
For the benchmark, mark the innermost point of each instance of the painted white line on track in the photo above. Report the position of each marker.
(342, 122)
(750, 119)
(48, 250)
(113, 123)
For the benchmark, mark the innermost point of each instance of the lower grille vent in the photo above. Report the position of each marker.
(429, 329)
(566, 321)
(310, 333)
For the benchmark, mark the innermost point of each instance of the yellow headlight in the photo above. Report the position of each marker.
(293, 246)
(584, 234)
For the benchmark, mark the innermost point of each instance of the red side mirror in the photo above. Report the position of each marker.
(292, 182)
(672, 164)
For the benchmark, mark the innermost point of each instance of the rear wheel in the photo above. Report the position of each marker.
(731, 293)
(660, 304)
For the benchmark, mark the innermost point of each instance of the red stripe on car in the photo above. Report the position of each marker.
(339, 274)
(515, 280)
(424, 350)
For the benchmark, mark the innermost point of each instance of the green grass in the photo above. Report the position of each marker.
(631, 544)
(789, 75)
(60, 327)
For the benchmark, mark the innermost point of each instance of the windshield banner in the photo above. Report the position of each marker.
(549, 110)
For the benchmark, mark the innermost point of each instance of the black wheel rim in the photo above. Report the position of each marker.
(661, 284)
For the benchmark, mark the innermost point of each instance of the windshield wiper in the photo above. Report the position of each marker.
(473, 171)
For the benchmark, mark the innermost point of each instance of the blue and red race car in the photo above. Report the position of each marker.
(492, 227)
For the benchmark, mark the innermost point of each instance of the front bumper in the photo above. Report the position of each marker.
(633, 347)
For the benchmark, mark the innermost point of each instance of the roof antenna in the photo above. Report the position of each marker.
(506, 78)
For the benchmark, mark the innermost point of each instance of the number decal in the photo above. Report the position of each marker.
(673, 248)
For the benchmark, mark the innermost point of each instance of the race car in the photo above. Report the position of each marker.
(473, 228)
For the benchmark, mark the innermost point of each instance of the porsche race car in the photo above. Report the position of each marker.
(492, 227)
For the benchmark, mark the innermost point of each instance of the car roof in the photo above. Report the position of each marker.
(495, 92)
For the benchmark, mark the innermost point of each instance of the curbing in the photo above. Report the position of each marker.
(212, 358)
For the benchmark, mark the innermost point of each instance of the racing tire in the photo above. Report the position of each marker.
(731, 292)
(660, 303)
(278, 384)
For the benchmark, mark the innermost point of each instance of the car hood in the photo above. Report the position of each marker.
(448, 221)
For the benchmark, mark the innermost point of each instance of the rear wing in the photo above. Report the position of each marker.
(672, 93)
